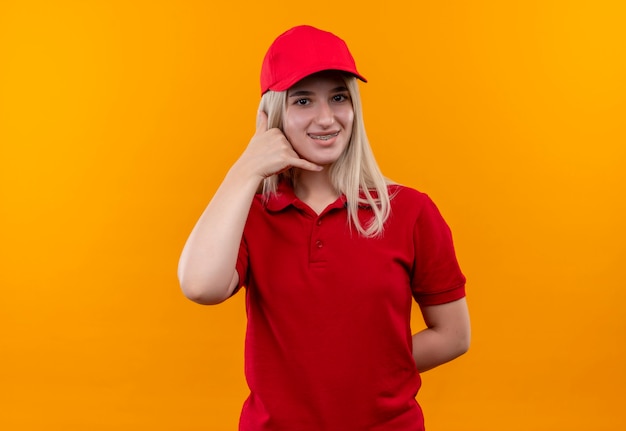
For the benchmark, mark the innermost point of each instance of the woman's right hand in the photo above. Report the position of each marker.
(207, 264)
(269, 152)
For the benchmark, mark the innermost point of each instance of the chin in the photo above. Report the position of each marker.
(324, 158)
(323, 161)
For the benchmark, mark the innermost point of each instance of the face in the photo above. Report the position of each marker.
(318, 118)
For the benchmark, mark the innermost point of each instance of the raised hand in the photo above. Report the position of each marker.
(269, 152)
(207, 264)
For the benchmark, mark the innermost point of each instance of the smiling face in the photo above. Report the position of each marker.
(318, 117)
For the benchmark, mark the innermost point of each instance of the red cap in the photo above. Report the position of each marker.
(300, 52)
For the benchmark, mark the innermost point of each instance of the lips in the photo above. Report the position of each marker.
(324, 137)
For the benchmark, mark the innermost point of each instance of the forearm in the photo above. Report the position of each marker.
(432, 348)
(206, 269)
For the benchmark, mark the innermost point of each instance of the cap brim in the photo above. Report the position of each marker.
(288, 82)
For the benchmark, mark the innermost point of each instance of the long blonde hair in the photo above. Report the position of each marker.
(355, 174)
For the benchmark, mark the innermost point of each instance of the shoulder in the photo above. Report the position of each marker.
(408, 198)
(409, 205)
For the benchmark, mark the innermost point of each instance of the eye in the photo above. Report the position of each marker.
(302, 102)
(340, 97)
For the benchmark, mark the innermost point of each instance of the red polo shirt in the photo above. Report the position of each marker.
(328, 342)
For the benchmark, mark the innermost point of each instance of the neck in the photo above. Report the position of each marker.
(315, 189)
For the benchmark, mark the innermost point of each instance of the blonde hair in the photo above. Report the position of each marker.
(355, 174)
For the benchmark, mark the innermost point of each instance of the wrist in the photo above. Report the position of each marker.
(244, 174)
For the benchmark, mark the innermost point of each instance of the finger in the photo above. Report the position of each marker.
(306, 165)
(261, 122)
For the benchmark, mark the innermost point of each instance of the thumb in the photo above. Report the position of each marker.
(261, 122)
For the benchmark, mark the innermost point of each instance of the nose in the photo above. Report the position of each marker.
(325, 115)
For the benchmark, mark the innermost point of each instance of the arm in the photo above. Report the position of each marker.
(446, 337)
(206, 270)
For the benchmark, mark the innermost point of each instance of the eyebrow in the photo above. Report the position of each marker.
(300, 93)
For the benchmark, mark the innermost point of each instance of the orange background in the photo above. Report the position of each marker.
(119, 119)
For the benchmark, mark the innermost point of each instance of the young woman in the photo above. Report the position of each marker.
(331, 255)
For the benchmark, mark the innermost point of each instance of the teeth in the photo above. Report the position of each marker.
(324, 137)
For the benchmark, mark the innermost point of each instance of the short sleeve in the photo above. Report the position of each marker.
(437, 278)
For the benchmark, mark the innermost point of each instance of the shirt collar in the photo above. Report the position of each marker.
(285, 196)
